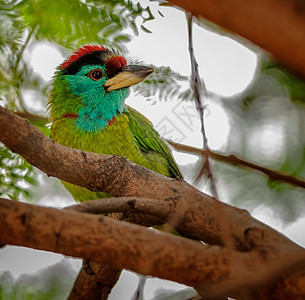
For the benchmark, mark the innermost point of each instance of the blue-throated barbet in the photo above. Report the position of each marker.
(88, 112)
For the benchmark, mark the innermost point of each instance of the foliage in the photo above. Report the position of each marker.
(44, 285)
(274, 80)
(267, 125)
(165, 84)
(16, 175)
(294, 85)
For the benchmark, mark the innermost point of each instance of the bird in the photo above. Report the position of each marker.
(88, 112)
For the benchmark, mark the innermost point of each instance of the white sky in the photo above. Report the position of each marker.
(226, 67)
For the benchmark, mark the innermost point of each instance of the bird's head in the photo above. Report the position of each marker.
(91, 87)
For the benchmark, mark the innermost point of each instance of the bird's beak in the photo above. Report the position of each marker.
(129, 75)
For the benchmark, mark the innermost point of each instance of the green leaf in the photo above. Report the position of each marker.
(145, 29)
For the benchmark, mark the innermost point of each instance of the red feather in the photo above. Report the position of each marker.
(114, 64)
(80, 52)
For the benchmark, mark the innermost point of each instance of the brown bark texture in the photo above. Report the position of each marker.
(247, 255)
(277, 26)
(94, 282)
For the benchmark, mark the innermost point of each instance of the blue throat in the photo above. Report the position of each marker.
(98, 108)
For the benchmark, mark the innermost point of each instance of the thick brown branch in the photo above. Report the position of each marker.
(234, 160)
(211, 269)
(277, 26)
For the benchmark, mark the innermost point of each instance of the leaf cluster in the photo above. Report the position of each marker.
(16, 175)
(165, 84)
(43, 285)
(72, 23)
(267, 128)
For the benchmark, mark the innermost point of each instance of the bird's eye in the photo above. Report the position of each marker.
(96, 74)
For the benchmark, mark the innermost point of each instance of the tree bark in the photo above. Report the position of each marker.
(94, 282)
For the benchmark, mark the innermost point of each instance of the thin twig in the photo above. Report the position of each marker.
(19, 56)
(32, 117)
(199, 88)
(139, 293)
(234, 160)
(15, 68)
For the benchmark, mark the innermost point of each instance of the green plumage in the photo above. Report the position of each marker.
(127, 133)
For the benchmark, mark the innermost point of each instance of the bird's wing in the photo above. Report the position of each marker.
(148, 139)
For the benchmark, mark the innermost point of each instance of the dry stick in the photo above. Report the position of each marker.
(17, 79)
(230, 159)
(234, 160)
(139, 293)
(32, 117)
(199, 87)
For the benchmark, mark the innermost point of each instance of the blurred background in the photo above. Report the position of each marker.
(254, 110)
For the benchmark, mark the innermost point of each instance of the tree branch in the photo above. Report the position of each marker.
(194, 214)
(199, 88)
(125, 205)
(210, 269)
(277, 26)
(94, 281)
(32, 117)
(234, 160)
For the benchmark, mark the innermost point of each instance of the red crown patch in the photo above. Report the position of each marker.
(80, 52)
(114, 64)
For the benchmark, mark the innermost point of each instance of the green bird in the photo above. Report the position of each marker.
(88, 112)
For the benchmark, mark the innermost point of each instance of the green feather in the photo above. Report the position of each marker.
(149, 141)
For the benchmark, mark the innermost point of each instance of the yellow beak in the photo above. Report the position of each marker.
(129, 75)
